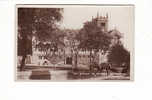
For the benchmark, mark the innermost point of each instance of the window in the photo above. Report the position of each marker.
(102, 24)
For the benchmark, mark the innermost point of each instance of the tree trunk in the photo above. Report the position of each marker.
(90, 56)
(23, 62)
(90, 62)
(64, 58)
(24, 52)
(76, 57)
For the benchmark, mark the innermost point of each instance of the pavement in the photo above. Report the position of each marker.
(62, 75)
(40, 75)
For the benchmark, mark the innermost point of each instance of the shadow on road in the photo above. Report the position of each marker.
(40, 75)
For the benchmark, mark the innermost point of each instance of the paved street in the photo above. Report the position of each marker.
(63, 75)
(40, 75)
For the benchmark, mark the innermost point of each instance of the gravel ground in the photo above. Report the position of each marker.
(62, 75)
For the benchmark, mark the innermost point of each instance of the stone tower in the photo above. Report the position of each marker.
(102, 22)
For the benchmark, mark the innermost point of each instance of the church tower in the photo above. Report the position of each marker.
(102, 22)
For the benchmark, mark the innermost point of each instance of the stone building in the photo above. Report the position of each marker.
(65, 53)
(100, 57)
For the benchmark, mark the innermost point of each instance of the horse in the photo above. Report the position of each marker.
(105, 67)
(94, 67)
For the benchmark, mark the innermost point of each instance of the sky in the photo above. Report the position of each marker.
(120, 17)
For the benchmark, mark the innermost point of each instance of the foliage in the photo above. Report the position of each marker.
(41, 21)
(119, 55)
(92, 38)
(38, 21)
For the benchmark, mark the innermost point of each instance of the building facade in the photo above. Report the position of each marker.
(66, 54)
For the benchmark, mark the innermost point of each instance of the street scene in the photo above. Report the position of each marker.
(74, 43)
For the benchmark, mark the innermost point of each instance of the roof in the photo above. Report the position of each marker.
(115, 32)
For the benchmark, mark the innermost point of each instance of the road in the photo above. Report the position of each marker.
(62, 75)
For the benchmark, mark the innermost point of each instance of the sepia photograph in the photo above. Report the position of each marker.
(74, 43)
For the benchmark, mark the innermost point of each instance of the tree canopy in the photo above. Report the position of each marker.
(38, 21)
(91, 37)
(41, 22)
(118, 55)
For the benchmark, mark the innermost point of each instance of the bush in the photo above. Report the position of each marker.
(120, 56)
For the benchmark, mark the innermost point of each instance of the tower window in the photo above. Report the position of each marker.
(102, 24)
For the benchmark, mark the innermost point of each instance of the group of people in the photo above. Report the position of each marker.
(106, 67)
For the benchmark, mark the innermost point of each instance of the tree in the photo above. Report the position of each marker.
(93, 39)
(74, 46)
(38, 21)
(120, 56)
(71, 36)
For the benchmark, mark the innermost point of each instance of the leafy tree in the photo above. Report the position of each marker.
(75, 49)
(93, 39)
(120, 56)
(71, 35)
(38, 21)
